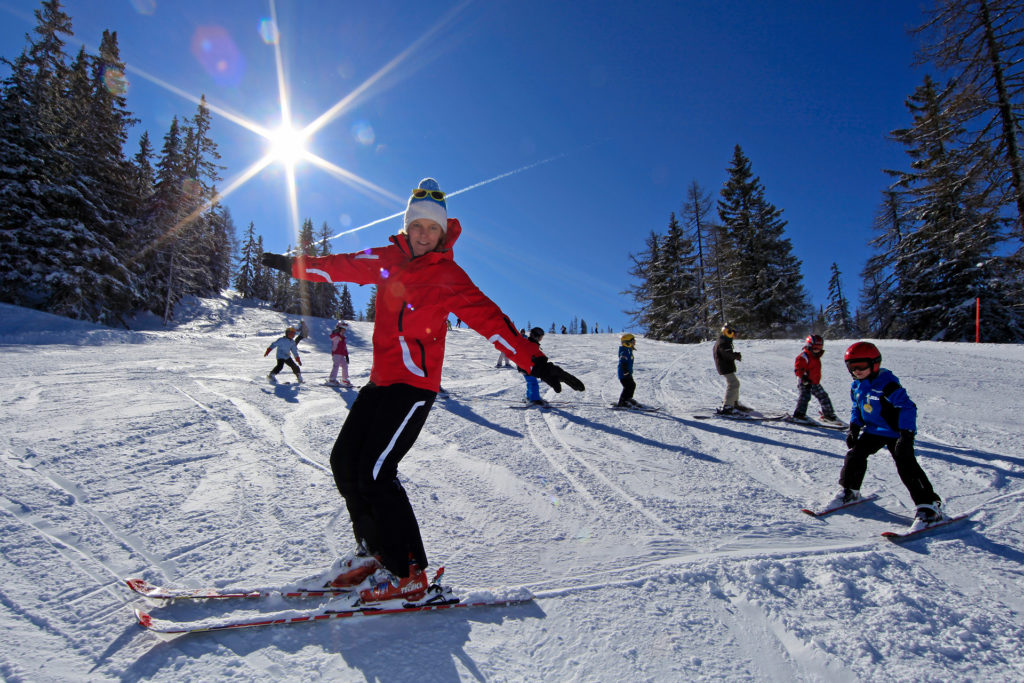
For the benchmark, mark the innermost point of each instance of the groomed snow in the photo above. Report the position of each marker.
(660, 547)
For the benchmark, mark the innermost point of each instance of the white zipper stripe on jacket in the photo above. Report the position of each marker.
(321, 273)
(394, 439)
(499, 338)
(407, 359)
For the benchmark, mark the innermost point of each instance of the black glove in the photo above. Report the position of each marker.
(553, 375)
(851, 436)
(804, 381)
(905, 444)
(278, 261)
(738, 356)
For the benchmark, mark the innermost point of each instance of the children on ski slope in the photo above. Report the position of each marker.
(883, 415)
(625, 372)
(418, 286)
(339, 355)
(807, 367)
(286, 348)
(532, 383)
(725, 363)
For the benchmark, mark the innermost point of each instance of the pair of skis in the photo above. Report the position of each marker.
(895, 536)
(341, 603)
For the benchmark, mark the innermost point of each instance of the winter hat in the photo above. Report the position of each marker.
(430, 206)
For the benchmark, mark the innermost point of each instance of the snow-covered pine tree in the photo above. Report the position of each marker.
(762, 279)
(674, 290)
(371, 306)
(838, 323)
(944, 261)
(62, 230)
(980, 43)
(345, 309)
(877, 312)
(643, 270)
(697, 213)
(248, 258)
(263, 277)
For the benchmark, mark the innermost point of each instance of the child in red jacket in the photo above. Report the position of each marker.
(808, 374)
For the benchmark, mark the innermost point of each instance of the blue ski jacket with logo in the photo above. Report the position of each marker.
(882, 406)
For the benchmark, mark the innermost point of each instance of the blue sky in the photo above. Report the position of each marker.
(590, 120)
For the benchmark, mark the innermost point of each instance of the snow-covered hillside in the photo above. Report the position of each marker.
(660, 547)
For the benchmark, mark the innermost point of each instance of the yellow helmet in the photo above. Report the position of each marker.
(729, 331)
(628, 340)
(290, 330)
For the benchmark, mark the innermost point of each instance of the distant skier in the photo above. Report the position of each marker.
(625, 372)
(286, 348)
(303, 331)
(418, 286)
(339, 355)
(807, 367)
(725, 363)
(532, 383)
(503, 361)
(886, 415)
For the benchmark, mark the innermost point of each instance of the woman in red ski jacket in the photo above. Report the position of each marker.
(418, 286)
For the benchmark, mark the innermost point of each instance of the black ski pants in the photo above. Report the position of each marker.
(628, 387)
(382, 425)
(281, 362)
(913, 477)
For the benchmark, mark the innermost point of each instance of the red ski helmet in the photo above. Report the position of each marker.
(861, 352)
(815, 343)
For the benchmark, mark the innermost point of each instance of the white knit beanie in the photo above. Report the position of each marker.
(427, 207)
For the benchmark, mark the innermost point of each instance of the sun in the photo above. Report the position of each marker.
(287, 145)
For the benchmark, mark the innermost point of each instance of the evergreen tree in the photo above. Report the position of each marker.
(878, 312)
(981, 44)
(762, 280)
(248, 260)
(644, 270)
(955, 229)
(263, 277)
(345, 308)
(583, 326)
(371, 306)
(696, 213)
(837, 321)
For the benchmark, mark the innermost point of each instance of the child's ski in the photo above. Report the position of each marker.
(821, 512)
(900, 536)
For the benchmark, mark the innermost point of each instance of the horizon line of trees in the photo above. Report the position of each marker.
(949, 232)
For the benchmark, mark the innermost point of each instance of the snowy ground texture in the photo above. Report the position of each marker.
(660, 547)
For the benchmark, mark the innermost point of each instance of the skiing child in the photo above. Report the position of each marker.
(725, 363)
(883, 415)
(625, 372)
(286, 348)
(339, 355)
(532, 383)
(807, 367)
(418, 285)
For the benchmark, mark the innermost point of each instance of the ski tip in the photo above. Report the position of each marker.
(138, 585)
(809, 511)
(145, 620)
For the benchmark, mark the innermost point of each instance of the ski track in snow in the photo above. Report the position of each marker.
(659, 547)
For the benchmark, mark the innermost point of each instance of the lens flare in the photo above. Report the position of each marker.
(114, 81)
(268, 32)
(216, 52)
(363, 133)
(147, 7)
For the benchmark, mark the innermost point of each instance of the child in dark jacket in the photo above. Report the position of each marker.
(625, 372)
(725, 363)
(883, 415)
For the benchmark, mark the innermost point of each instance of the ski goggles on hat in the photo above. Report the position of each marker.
(859, 365)
(436, 195)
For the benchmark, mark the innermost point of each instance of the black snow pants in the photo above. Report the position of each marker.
(628, 387)
(913, 477)
(382, 425)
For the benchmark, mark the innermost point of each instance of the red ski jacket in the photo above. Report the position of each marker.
(809, 365)
(414, 298)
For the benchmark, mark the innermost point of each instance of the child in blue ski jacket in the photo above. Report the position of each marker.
(883, 415)
(625, 372)
(532, 384)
